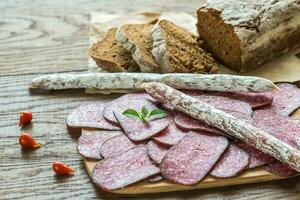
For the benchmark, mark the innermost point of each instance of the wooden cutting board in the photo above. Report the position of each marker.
(250, 176)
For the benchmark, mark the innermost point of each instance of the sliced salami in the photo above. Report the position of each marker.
(225, 103)
(137, 130)
(282, 127)
(257, 158)
(280, 169)
(286, 100)
(89, 116)
(186, 122)
(171, 135)
(192, 158)
(116, 145)
(90, 142)
(157, 151)
(255, 100)
(130, 167)
(132, 100)
(232, 163)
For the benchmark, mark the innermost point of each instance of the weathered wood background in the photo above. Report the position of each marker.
(39, 37)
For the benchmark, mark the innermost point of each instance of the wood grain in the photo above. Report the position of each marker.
(38, 37)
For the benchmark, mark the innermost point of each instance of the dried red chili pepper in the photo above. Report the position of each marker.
(27, 141)
(25, 118)
(62, 169)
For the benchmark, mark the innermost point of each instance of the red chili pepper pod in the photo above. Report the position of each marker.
(62, 169)
(27, 141)
(25, 118)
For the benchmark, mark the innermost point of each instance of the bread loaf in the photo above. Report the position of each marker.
(245, 34)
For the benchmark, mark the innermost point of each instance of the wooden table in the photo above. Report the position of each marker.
(39, 37)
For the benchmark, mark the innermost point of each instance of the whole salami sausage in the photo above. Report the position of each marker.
(235, 127)
(133, 81)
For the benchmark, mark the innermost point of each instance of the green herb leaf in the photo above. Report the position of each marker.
(145, 115)
(157, 113)
(131, 113)
(144, 112)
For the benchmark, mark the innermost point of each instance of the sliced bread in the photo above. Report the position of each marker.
(177, 50)
(137, 39)
(110, 55)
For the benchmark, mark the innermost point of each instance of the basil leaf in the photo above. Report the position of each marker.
(144, 112)
(157, 113)
(131, 113)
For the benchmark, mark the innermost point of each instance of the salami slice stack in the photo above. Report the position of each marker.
(180, 148)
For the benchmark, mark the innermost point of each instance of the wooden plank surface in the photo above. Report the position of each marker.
(38, 37)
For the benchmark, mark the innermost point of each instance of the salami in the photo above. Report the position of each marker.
(186, 122)
(134, 81)
(116, 145)
(232, 163)
(192, 158)
(157, 151)
(130, 167)
(280, 169)
(255, 100)
(286, 100)
(257, 158)
(171, 135)
(90, 142)
(231, 125)
(283, 128)
(137, 130)
(125, 102)
(89, 116)
(225, 103)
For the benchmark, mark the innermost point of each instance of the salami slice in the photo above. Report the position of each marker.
(130, 167)
(137, 130)
(90, 142)
(232, 163)
(192, 158)
(282, 127)
(257, 158)
(225, 103)
(116, 145)
(171, 135)
(280, 169)
(286, 100)
(186, 122)
(132, 100)
(157, 151)
(255, 100)
(89, 116)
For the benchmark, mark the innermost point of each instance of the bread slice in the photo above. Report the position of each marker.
(177, 50)
(110, 55)
(137, 39)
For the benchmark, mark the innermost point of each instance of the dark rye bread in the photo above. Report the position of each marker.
(110, 55)
(137, 39)
(177, 50)
(245, 34)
